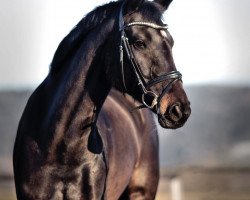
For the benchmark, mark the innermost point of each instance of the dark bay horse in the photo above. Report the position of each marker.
(77, 138)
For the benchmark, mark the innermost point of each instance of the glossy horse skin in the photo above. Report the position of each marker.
(77, 138)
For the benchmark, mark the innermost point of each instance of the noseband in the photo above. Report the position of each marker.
(172, 76)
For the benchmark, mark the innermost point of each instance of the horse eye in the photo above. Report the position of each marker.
(139, 44)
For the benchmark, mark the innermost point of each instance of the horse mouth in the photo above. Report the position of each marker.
(168, 123)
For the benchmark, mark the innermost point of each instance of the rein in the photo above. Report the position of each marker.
(172, 76)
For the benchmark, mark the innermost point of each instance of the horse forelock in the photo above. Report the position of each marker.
(72, 42)
(151, 12)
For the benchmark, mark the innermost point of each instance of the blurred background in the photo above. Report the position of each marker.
(207, 159)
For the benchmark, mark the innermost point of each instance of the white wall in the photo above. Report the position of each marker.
(212, 38)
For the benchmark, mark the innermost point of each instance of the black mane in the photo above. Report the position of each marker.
(73, 40)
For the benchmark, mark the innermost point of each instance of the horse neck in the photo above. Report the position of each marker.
(76, 105)
(84, 98)
(76, 94)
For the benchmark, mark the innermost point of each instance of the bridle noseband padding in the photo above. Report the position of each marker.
(172, 76)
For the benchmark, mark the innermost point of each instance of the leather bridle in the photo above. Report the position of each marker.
(172, 76)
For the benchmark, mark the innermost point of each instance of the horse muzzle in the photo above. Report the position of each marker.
(175, 115)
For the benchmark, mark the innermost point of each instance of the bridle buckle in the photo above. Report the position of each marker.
(154, 102)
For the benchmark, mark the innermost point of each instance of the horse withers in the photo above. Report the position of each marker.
(84, 133)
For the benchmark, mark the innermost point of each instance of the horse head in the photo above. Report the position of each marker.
(148, 72)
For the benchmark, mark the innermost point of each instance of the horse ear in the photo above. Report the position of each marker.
(132, 5)
(164, 3)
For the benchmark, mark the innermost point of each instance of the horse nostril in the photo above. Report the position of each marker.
(175, 112)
